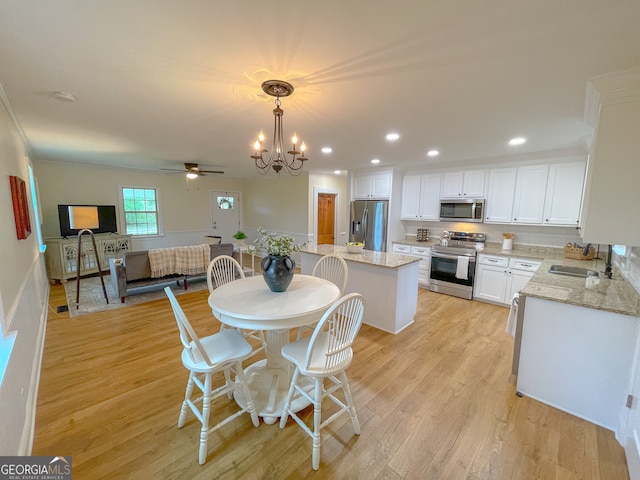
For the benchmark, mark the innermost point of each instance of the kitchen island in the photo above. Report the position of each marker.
(575, 347)
(387, 281)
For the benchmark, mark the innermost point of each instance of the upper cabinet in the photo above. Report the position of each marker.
(531, 187)
(372, 186)
(545, 194)
(564, 193)
(469, 184)
(502, 183)
(421, 197)
(610, 209)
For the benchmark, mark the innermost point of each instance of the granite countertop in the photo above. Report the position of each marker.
(613, 295)
(379, 259)
(411, 240)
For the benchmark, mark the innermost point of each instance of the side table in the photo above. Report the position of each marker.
(241, 250)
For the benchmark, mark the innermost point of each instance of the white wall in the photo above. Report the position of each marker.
(279, 203)
(185, 207)
(327, 183)
(24, 292)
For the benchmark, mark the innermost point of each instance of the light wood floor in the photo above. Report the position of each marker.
(435, 402)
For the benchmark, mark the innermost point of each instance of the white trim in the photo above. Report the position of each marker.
(28, 433)
(331, 191)
(238, 207)
(7, 106)
(121, 214)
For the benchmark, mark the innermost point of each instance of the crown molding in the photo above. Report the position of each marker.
(610, 89)
(4, 100)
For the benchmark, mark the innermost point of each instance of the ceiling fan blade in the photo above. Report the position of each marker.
(211, 171)
(172, 170)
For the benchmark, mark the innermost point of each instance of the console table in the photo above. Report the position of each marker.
(62, 253)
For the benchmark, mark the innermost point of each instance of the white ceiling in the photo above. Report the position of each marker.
(162, 82)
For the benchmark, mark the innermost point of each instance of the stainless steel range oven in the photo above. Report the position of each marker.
(453, 263)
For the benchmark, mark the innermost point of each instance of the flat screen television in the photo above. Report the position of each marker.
(97, 218)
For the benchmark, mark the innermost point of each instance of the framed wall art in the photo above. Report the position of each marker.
(20, 207)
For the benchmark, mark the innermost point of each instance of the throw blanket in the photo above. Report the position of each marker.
(191, 260)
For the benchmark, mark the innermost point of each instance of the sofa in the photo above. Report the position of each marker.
(132, 272)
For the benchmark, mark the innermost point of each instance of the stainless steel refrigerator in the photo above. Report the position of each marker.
(368, 223)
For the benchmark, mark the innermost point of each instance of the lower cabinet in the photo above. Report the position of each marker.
(424, 269)
(498, 278)
(61, 255)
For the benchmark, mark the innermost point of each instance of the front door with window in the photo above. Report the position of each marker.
(225, 215)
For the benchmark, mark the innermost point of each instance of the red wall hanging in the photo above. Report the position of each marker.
(20, 207)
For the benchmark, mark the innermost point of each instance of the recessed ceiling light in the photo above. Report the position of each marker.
(337, 172)
(517, 141)
(375, 161)
(392, 137)
(433, 153)
(327, 149)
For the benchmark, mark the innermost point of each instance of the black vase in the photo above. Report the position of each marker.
(277, 272)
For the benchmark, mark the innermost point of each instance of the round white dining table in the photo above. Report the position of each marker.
(248, 303)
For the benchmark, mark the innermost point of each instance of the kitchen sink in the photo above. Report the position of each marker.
(572, 271)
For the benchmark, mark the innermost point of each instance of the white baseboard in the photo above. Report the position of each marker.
(632, 450)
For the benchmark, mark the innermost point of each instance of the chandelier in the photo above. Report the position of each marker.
(278, 160)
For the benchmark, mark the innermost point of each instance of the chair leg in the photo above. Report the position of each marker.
(204, 432)
(350, 407)
(317, 419)
(185, 404)
(228, 382)
(247, 394)
(287, 403)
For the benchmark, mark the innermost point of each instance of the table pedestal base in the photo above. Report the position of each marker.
(269, 381)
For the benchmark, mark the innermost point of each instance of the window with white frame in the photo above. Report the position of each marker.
(141, 210)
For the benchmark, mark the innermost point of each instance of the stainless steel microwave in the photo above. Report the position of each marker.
(462, 210)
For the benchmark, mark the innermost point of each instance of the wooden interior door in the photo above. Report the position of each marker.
(326, 218)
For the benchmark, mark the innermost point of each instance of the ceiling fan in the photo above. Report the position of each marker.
(193, 171)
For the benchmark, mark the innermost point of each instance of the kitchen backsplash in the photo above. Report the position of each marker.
(527, 235)
(629, 264)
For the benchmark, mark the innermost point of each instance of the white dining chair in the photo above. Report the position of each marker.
(325, 355)
(224, 269)
(333, 268)
(203, 357)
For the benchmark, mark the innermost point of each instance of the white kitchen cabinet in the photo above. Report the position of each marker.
(402, 249)
(498, 278)
(424, 269)
(410, 209)
(502, 183)
(530, 191)
(491, 278)
(61, 255)
(520, 271)
(372, 186)
(469, 184)
(421, 197)
(577, 359)
(611, 191)
(564, 193)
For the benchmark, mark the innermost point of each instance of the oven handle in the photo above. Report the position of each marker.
(472, 259)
